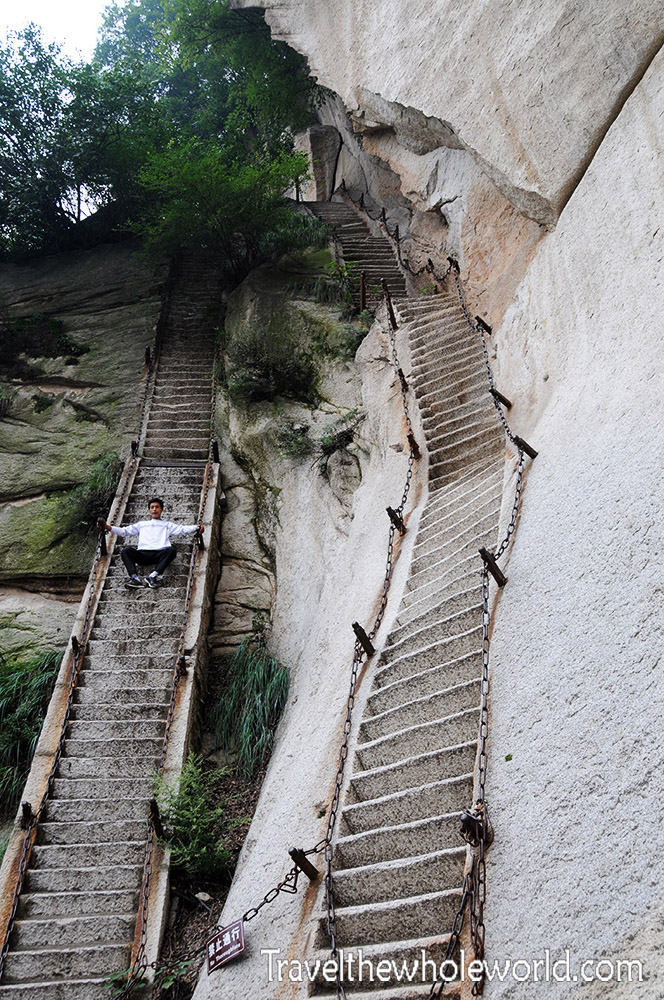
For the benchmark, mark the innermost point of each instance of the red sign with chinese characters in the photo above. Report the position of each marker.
(226, 945)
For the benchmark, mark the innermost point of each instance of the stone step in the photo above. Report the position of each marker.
(456, 526)
(400, 878)
(137, 747)
(104, 729)
(111, 767)
(455, 605)
(43, 965)
(81, 903)
(423, 644)
(390, 694)
(92, 879)
(439, 569)
(467, 574)
(54, 857)
(393, 970)
(132, 786)
(461, 727)
(69, 932)
(396, 919)
(443, 543)
(91, 832)
(431, 799)
(141, 675)
(63, 989)
(402, 840)
(474, 483)
(413, 772)
(433, 705)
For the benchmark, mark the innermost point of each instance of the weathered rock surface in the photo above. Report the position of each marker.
(68, 411)
(530, 89)
(576, 694)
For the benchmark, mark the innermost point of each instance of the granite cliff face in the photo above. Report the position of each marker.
(67, 411)
(528, 139)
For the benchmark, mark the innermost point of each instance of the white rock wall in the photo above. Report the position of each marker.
(530, 86)
(577, 676)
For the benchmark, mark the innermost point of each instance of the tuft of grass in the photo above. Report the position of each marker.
(25, 691)
(244, 719)
(193, 822)
(93, 497)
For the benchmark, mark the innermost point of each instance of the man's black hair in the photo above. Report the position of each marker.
(156, 500)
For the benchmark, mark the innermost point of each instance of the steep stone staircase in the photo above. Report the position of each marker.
(77, 912)
(398, 858)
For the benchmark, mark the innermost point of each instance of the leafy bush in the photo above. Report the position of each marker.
(294, 440)
(93, 497)
(269, 362)
(193, 825)
(25, 691)
(37, 336)
(244, 719)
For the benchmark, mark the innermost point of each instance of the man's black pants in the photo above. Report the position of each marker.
(161, 558)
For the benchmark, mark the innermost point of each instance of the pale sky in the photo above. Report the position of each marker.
(71, 23)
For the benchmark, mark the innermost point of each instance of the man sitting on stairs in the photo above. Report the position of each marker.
(154, 546)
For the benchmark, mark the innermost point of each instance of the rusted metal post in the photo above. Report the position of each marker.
(396, 234)
(363, 291)
(181, 664)
(200, 542)
(364, 639)
(493, 567)
(134, 449)
(148, 357)
(383, 216)
(501, 399)
(414, 447)
(396, 520)
(454, 264)
(215, 451)
(402, 380)
(529, 450)
(390, 308)
(75, 645)
(27, 815)
(303, 863)
(362, 201)
(482, 325)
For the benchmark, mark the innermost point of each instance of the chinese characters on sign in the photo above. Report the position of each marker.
(226, 945)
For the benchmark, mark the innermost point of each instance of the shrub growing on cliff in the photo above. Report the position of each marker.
(25, 691)
(246, 716)
(270, 361)
(193, 822)
(93, 497)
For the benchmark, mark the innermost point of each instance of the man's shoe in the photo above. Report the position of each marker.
(153, 582)
(134, 581)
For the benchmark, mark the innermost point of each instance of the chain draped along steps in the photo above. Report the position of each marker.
(90, 869)
(399, 862)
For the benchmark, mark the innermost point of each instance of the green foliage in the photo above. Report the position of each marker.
(294, 440)
(202, 196)
(366, 318)
(92, 498)
(270, 361)
(337, 436)
(4, 844)
(71, 138)
(36, 336)
(194, 827)
(25, 690)
(246, 716)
